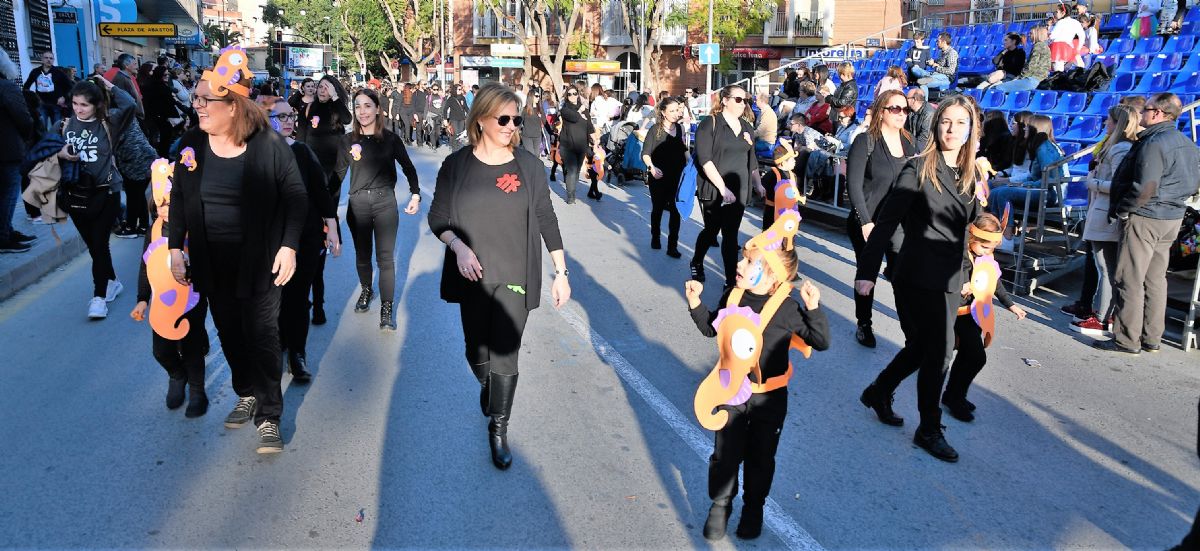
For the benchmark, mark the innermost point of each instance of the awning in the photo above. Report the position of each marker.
(756, 53)
(599, 66)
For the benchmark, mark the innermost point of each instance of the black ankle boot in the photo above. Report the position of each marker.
(364, 300)
(386, 319)
(298, 365)
(873, 398)
(655, 242)
(958, 408)
(175, 391)
(865, 336)
(934, 442)
(481, 373)
(501, 389)
(750, 526)
(718, 519)
(318, 315)
(197, 401)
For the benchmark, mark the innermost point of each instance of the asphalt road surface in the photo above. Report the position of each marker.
(1086, 451)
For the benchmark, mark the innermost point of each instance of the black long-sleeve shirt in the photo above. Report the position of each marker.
(455, 109)
(325, 138)
(731, 151)
(1012, 62)
(50, 85)
(666, 152)
(376, 163)
(320, 202)
(870, 178)
(791, 318)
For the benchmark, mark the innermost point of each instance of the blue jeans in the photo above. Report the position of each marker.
(10, 193)
(1018, 85)
(920, 72)
(51, 116)
(1015, 195)
(937, 81)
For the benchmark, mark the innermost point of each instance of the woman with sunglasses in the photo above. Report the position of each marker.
(665, 156)
(239, 202)
(320, 234)
(729, 173)
(455, 114)
(370, 154)
(872, 168)
(491, 207)
(435, 102)
(531, 130)
(573, 140)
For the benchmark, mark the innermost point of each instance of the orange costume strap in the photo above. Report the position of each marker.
(769, 309)
(770, 198)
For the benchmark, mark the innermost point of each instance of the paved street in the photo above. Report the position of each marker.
(1085, 451)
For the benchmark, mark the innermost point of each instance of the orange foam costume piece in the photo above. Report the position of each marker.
(169, 300)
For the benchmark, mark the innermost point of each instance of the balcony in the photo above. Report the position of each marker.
(614, 33)
(488, 27)
(805, 28)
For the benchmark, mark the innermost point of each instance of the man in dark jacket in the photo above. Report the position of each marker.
(920, 118)
(15, 124)
(1149, 189)
(52, 86)
(917, 55)
(123, 75)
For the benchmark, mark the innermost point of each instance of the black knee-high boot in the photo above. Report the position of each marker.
(501, 389)
(481, 372)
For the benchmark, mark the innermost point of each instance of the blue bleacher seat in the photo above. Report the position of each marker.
(1122, 82)
(1112, 61)
(1083, 129)
(1190, 28)
(1122, 45)
(1186, 83)
(1149, 45)
(1192, 64)
(1069, 148)
(1163, 63)
(1152, 83)
(1014, 27)
(992, 99)
(863, 107)
(1043, 101)
(1103, 43)
(1179, 44)
(1117, 22)
(1193, 14)
(975, 93)
(1070, 102)
(1061, 123)
(1100, 104)
(1076, 195)
(1016, 101)
(1134, 63)
(1079, 167)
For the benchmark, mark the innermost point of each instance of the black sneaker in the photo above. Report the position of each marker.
(269, 440)
(865, 336)
(673, 252)
(175, 392)
(242, 413)
(935, 443)
(22, 237)
(14, 246)
(318, 316)
(386, 320)
(958, 408)
(1152, 348)
(125, 232)
(364, 300)
(698, 272)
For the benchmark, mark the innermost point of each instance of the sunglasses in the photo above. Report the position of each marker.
(895, 109)
(286, 117)
(738, 99)
(570, 94)
(503, 120)
(1151, 109)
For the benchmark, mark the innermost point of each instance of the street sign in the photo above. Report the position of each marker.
(710, 54)
(137, 29)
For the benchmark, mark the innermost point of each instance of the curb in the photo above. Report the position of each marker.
(41, 262)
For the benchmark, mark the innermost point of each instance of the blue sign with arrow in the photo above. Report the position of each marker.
(710, 54)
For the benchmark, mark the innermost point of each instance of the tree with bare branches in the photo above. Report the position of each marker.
(415, 28)
(535, 23)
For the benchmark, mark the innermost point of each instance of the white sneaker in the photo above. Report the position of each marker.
(114, 289)
(97, 309)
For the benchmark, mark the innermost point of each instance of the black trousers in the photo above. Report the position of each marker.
(751, 436)
(137, 211)
(95, 230)
(294, 307)
(969, 360)
(662, 199)
(493, 322)
(1091, 279)
(864, 306)
(727, 221)
(248, 328)
(184, 358)
(373, 218)
(572, 164)
(927, 319)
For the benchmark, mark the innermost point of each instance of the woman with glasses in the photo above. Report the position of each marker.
(665, 156)
(531, 130)
(573, 140)
(239, 202)
(370, 154)
(729, 173)
(491, 207)
(320, 234)
(872, 168)
(455, 113)
(435, 103)
(327, 119)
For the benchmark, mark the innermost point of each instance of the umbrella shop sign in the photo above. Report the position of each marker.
(835, 53)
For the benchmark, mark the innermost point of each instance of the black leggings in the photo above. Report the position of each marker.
(970, 359)
(864, 305)
(572, 163)
(927, 318)
(184, 358)
(137, 213)
(751, 436)
(373, 218)
(727, 221)
(294, 305)
(662, 199)
(493, 321)
(95, 231)
(248, 328)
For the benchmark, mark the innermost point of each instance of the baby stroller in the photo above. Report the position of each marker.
(624, 154)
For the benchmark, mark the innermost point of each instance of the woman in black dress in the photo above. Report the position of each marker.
(573, 140)
(934, 199)
(327, 119)
(875, 160)
(496, 276)
(729, 172)
(665, 156)
(299, 102)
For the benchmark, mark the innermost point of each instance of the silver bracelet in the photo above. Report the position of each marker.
(451, 243)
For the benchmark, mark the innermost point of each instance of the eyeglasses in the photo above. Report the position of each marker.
(738, 99)
(285, 117)
(202, 101)
(895, 109)
(503, 120)
(1151, 109)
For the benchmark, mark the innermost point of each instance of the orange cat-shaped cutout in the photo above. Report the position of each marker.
(739, 344)
(169, 300)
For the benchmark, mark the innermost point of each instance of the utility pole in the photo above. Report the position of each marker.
(708, 68)
(441, 6)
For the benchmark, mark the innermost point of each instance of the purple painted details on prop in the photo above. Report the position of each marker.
(168, 298)
(743, 311)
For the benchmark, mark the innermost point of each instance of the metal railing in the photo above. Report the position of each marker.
(794, 25)
(1003, 14)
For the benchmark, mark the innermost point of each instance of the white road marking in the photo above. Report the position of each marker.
(775, 519)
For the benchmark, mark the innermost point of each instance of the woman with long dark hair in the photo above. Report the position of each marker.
(299, 102)
(531, 129)
(934, 199)
(573, 140)
(239, 202)
(496, 276)
(729, 172)
(327, 119)
(370, 154)
(872, 168)
(665, 156)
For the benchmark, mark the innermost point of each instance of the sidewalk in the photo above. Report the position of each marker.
(20, 270)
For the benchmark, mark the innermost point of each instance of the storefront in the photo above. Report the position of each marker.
(594, 71)
(747, 63)
(484, 69)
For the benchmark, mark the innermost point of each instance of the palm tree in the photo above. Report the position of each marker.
(222, 36)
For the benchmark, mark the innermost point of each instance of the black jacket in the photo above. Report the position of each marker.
(1157, 175)
(935, 231)
(711, 133)
(274, 207)
(542, 222)
(15, 123)
(575, 130)
(869, 179)
(320, 203)
(455, 109)
(62, 84)
(845, 95)
(1012, 62)
(919, 125)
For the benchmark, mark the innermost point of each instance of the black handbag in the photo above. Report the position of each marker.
(84, 197)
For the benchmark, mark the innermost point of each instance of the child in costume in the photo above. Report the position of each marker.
(176, 312)
(976, 323)
(780, 183)
(745, 397)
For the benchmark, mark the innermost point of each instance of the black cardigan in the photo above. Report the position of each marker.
(320, 203)
(707, 148)
(272, 216)
(542, 221)
(935, 230)
(870, 178)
